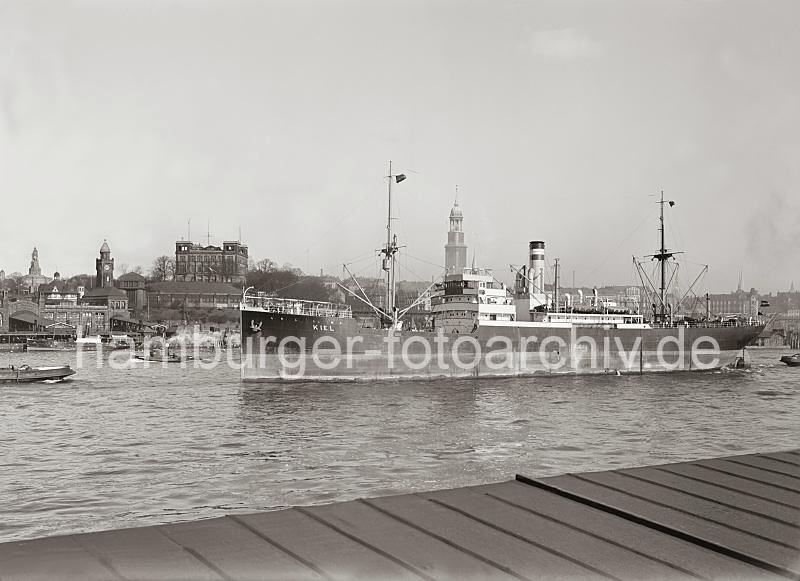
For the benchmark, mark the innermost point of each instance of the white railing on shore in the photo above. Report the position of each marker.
(298, 307)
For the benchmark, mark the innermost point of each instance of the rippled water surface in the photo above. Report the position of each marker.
(136, 446)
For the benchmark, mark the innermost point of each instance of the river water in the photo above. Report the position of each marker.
(133, 446)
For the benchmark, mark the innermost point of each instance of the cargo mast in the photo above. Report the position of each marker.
(662, 258)
(389, 252)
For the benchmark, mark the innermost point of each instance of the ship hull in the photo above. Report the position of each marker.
(285, 347)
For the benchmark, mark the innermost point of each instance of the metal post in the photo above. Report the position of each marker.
(556, 281)
(663, 262)
(389, 253)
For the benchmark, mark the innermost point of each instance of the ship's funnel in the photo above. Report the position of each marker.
(536, 266)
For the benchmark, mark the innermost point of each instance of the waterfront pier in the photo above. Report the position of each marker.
(736, 517)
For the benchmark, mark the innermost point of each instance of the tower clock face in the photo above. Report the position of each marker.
(106, 267)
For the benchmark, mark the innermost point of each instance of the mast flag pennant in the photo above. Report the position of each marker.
(400, 177)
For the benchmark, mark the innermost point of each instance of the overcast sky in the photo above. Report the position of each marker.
(124, 119)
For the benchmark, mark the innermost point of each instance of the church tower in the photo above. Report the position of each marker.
(105, 268)
(455, 251)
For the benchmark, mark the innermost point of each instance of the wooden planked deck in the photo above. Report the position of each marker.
(723, 518)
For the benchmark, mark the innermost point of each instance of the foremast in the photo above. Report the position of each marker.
(389, 255)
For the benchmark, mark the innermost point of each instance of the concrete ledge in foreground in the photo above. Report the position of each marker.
(725, 518)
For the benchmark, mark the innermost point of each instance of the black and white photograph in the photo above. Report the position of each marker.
(399, 289)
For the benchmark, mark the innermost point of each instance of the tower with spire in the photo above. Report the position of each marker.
(34, 278)
(105, 267)
(35, 269)
(455, 251)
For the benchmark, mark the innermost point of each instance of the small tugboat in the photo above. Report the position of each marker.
(791, 360)
(26, 373)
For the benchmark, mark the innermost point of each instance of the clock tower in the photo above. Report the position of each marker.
(105, 268)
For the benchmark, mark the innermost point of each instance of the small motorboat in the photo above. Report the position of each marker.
(159, 356)
(48, 345)
(23, 373)
(116, 342)
(791, 360)
(93, 343)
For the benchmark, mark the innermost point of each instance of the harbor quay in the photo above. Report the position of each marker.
(735, 517)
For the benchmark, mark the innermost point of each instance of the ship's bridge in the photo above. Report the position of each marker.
(463, 300)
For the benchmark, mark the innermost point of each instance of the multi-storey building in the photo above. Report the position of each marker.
(185, 295)
(88, 311)
(740, 302)
(134, 286)
(197, 263)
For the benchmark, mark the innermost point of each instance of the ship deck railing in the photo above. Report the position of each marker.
(706, 325)
(299, 307)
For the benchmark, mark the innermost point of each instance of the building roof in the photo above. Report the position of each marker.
(30, 317)
(60, 286)
(104, 247)
(193, 288)
(131, 276)
(100, 292)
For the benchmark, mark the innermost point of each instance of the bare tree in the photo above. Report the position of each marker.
(138, 269)
(265, 265)
(84, 280)
(163, 268)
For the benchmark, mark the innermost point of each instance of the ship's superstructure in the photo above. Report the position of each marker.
(464, 301)
(479, 327)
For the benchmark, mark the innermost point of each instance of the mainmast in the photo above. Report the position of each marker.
(662, 258)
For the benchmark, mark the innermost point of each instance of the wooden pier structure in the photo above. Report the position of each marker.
(736, 517)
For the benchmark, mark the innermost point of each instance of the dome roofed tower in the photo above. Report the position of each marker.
(455, 251)
(105, 268)
(456, 217)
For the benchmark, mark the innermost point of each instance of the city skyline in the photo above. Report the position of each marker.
(280, 118)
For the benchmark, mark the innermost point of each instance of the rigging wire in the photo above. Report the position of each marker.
(424, 261)
(361, 258)
(608, 255)
(345, 216)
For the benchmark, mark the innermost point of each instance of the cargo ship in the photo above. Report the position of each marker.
(480, 328)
